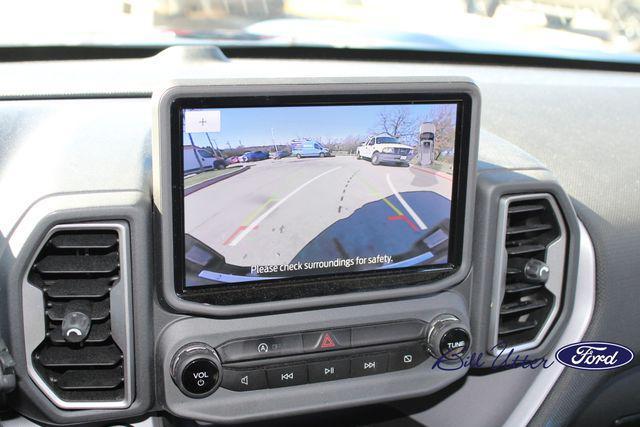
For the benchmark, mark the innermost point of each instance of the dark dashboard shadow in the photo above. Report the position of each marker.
(380, 227)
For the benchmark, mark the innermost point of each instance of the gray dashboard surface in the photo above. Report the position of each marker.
(588, 137)
(582, 124)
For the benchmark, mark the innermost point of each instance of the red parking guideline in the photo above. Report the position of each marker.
(440, 174)
(235, 233)
(410, 223)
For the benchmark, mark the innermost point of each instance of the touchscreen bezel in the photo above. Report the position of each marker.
(342, 282)
(289, 292)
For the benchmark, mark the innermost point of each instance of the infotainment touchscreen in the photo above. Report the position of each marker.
(275, 192)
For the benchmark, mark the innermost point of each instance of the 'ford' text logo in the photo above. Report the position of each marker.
(594, 355)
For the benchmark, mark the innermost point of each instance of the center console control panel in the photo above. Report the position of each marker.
(234, 370)
(345, 314)
(295, 359)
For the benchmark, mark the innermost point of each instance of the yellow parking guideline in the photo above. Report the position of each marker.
(391, 205)
(253, 215)
(396, 210)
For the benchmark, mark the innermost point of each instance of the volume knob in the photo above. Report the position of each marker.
(448, 337)
(196, 370)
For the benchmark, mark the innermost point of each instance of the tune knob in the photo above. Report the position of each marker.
(448, 337)
(196, 370)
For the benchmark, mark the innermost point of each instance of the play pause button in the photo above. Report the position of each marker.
(328, 370)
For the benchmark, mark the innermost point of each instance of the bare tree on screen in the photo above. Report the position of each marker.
(398, 122)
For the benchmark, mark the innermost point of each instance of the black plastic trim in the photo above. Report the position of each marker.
(308, 286)
(89, 52)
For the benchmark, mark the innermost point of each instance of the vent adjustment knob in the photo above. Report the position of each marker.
(196, 370)
(75, 326)
(448, 337)
(536, 271)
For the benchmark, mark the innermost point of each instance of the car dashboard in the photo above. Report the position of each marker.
(85, 222)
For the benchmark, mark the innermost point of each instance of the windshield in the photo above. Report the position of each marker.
(605, 30)
(386, 140)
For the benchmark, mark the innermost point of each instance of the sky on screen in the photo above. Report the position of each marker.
(264, 126)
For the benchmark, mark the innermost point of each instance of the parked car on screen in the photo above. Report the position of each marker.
(309, 148)
(279, 154)
(385, 149)
(233, 159)
(195, 158)
(254, 156)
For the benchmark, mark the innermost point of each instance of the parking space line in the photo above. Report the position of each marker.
(384, 199)
(250, 218)
(406, 206)
(399, 214)
(259, 209)
(243, 233)
(438, 174)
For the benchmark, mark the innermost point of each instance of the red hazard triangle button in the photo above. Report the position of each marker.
(327, 341)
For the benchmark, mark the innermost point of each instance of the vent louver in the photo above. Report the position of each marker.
(77, 270)
(531, 270)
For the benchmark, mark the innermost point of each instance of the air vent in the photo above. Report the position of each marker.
(82, 360)
(529, 274)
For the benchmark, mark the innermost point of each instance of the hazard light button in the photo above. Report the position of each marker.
(326, 340)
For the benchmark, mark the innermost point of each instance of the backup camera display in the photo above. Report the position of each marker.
(281, 192)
